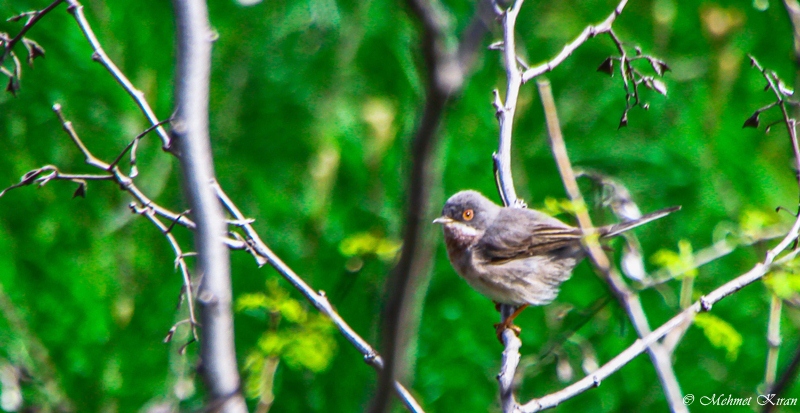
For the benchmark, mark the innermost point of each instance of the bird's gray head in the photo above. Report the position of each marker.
(468, 212)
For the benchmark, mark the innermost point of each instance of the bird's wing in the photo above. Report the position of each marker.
(520, 233)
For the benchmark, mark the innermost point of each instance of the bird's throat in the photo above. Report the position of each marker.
(459, 235)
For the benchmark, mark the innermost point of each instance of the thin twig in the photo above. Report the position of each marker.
(149, 213)
(33, 18)
(99, 55)
(588, 33)
(505, 110)
(264, 255)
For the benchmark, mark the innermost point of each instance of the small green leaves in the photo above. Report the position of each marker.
(367, 243)
(294, 336)
(678, 264)
(720, 334)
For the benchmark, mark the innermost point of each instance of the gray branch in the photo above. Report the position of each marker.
(190, 130)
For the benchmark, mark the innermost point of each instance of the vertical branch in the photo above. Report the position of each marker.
(793, 10)
(505, 109)
(773, 340)
(629, 300)
(190, 129)
(406, 286)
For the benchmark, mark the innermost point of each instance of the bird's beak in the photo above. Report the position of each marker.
(443, 220)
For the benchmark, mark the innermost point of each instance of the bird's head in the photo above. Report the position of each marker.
(466, 215)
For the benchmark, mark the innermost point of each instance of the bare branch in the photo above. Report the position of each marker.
(641, 345)
(33, 18)
(773, 340)
(629, 300)
(505, 109)
(588, 33)
(99, 55)
(263, 254)
(180, 261)
(406, 285)
(190, 130)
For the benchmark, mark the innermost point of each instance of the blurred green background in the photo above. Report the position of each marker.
(313, 106)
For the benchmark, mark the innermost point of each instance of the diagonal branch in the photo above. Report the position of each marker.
(99, 55)
(588, 33)
(264, 255)
(629, 300)
(641, 345)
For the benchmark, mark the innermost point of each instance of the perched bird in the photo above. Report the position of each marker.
(515, 256)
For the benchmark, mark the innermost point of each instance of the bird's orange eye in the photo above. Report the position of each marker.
(468, 215)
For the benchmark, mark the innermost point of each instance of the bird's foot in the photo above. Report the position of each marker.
(500, 327)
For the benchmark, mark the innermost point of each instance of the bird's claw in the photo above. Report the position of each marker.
(500, 327)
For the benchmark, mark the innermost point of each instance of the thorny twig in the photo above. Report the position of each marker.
(152, 211)
(34, 50)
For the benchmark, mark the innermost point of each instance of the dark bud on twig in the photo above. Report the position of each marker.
(607, 67)
(80, 191)
(658, 66)
(12, 86)
(34, 50)
(752, 121)
(624, 121)
(170, 333)
(19, 16)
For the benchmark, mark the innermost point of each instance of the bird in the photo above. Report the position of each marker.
(516, 256)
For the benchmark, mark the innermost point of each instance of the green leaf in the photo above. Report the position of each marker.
(720, 334)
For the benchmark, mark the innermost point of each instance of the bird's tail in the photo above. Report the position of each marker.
(609, 231)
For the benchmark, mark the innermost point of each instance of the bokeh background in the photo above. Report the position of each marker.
(313, 106)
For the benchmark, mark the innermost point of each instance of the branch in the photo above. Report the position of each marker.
(629, 300)
(190, 130)
(99, 55)
(773, 340)
(588, 33)
(264, 255)
(406, 286)
(793, 10)
(33, 18)
(639, 346)
(504, 110)
(180, 263)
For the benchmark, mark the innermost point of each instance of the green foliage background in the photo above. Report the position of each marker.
(312, 110)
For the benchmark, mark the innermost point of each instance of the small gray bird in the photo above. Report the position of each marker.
(515, 256)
